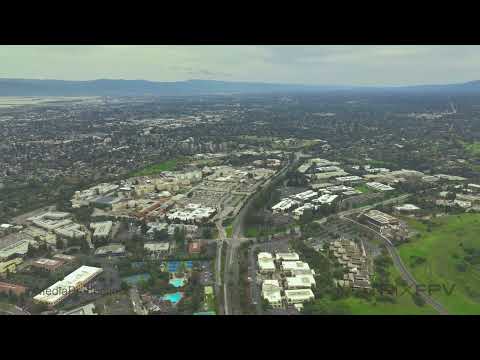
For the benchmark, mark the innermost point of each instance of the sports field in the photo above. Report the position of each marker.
(157, 168)
(447, 253)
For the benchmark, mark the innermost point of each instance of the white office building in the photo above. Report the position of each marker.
(265, 263)
(298, 296)
(300, 282)
(271, 291)
(66, 287)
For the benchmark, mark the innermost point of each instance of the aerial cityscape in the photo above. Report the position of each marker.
(257, 190)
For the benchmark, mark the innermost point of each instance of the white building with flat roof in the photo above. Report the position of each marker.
(325, 199)
(265, 263)
(474, 187)
(289, 256)
(298, 212)
(272, 292)
(300, 282)
(157, 248)
(285, 205)
(66, 287)
(298, 296)
(111, 250)
(290, 266)
(305, 196)
(17, 248)
(324, 169)
(102, 229)
(406, 208)
(88, 309)
(264, 255)
(379, 186)
(349, 179)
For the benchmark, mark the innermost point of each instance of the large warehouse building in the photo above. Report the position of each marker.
(64, 288)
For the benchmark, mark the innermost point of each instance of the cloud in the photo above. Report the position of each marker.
(326, 64)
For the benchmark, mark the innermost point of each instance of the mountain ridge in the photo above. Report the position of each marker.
(139, 87)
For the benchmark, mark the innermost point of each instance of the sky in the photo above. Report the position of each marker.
(298, 64)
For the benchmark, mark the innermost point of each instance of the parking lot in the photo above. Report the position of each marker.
(206, 270)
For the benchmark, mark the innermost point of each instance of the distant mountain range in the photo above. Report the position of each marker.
(104, 87)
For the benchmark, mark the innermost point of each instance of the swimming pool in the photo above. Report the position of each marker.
(173, 298)
(177, 282)
(174, 266)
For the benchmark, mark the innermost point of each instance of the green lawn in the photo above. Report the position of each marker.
(168, 165)
(473, 148)
(229, 231)
(404, 304)
(251, 232)
(209, 303)
(441, 248)
(364, 189)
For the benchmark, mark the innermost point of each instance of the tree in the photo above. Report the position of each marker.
(59, 244)
(160, 235)
(207, 232)
(83, 214)
(451, 196)
(143, 228)
(124, 286)
(307, 216)
(179, 236)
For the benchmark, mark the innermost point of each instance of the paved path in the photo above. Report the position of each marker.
(137, 302)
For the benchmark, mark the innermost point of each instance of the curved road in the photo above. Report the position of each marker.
(404, 272)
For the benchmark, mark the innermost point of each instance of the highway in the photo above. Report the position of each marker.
(237, 236)
(404, 272)
(218, 267)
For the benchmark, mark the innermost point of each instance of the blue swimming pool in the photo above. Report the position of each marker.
(174, 266)
(177, 282)
(173, 298)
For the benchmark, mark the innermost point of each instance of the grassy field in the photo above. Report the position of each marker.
(251, 232)
(404, 304)
(447, 253)
(209, 303)
(168, 165)
(364, 189)
(229, 231)
(473, 148)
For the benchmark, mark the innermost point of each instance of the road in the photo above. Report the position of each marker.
(404, 272)
(218, 267)
(137, 302)
(237, 236)
(368, 207)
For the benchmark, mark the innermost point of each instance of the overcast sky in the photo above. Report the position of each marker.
(321, 65)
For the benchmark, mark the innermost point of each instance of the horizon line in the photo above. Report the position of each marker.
(242, 81)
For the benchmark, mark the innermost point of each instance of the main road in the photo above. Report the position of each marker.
(234, 242)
